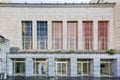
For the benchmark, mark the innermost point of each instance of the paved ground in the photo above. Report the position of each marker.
(60, 78)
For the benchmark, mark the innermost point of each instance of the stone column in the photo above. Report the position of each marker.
(118, 67)
(73, 64)
(96, 67)
(49, 35)
(29, 67)
(95, 35)
(114, 67)
(80, 36)
(9, 67)
(91, 67)
(34, 34)
(51, 67)
(64, 35)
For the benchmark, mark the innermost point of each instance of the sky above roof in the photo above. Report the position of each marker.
(50, 1)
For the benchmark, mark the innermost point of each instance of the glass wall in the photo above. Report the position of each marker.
(88, 35)
(40, 67)
(42, 36)
(57, 35)
(106, 68)
(18, 66)
(83, 67)
(102, 35)
(27, 34)
(72, 35)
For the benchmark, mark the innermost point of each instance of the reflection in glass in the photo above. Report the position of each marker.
(27, 34)
(88, 35)
(42, 35)
(72, 37)
(57, 35)
(103, 35)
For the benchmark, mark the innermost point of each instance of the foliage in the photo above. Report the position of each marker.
(111, 51)
(71, 51)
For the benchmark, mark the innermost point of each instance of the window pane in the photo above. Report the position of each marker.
(64, 67)
(42, 34)
(88, 34)
(57, 35)
(27, 34)
(79, 68)
(102, 35)
(72, 35)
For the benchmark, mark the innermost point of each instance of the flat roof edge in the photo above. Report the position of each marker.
(57, 5)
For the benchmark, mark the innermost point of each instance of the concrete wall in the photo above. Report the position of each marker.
(11, 17)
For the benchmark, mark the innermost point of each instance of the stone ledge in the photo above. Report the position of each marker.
(58, 5)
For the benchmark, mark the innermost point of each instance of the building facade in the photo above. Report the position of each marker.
(61, 39)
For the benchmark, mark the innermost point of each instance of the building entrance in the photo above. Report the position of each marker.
(40, 67)
(62, 67)
(83, 67)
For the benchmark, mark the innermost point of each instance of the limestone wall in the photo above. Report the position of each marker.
(11, 18)
(117, 26)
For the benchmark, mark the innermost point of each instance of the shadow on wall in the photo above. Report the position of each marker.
(14, 49)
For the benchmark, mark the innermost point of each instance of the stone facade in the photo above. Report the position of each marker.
(117, 26)
(95, 62)
(23, 12)
(27, 62)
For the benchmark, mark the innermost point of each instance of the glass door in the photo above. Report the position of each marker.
(61, 68)
(106, 68)
(83, 68)
(42, 68)
(18, 67)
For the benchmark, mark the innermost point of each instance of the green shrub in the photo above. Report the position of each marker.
(111, 51)
(71, 51)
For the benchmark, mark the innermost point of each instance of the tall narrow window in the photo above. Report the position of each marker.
(72, 37)
(102, 35)
(57, 35)
(42, 38)
(27, 34)
(88, 35)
